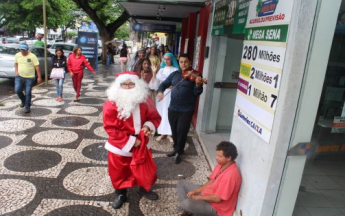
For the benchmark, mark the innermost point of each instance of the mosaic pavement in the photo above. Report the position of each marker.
(53, 161)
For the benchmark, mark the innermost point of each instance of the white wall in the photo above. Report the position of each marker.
(261, 164)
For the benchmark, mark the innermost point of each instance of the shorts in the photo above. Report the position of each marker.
(123, 59)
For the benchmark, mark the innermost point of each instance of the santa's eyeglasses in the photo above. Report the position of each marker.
(127, 84)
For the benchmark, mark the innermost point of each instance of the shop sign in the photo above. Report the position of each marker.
(221, 9)
(262, 63)
(241, 17)
(269, 12)
(338, 125)
(153, 27)
(277, 33)
(230, 17)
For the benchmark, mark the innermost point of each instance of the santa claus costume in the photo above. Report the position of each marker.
(127, 112)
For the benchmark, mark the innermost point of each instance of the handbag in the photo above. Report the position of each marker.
(57, 73)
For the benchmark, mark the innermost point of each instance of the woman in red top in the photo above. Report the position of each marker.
(76, 63)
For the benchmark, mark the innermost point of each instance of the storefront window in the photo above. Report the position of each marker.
(322, 190)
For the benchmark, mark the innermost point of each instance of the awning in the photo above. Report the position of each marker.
(161, 12)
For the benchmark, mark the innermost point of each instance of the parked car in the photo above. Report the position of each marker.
(66, 47)
(7, 52)
(10, 40)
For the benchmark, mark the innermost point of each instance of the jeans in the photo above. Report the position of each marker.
(108, 60)
(20, 84)
(59, 86)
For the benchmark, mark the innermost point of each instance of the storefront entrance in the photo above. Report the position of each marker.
(322, 186)
(322, 189)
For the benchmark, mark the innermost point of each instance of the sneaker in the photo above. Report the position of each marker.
(27, 110)
(21, 105)
(172, 153)
(149, 195)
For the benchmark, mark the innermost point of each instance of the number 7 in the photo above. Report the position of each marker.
(274, 99)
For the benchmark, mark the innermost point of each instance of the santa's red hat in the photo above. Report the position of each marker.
(123, 76)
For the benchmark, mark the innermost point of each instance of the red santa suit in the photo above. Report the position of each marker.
(122, 136)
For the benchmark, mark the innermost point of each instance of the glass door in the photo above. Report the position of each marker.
(322, 189)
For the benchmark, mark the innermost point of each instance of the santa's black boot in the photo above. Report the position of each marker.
(121, 197)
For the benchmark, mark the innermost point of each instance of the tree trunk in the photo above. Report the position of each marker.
(105, 38)
(106, 31)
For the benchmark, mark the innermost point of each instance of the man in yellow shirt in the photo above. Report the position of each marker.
(25, 64)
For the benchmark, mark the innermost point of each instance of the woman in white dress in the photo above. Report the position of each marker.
(168, 65)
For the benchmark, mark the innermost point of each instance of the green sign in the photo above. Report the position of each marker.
(241, 17)
(230, 17)
(276, 33)
(219, 17)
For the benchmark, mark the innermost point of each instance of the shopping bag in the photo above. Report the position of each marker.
(57, 73)
(143, 166)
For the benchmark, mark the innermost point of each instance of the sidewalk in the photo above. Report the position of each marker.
(52, 160)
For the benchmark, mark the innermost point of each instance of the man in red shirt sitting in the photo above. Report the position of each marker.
(219, 195)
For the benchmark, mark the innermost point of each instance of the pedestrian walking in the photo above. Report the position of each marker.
(181, 108)
(139, 54)
(75, 64)
(110, 55)
(220, 194)
(127, 115)
(168, 66)
(25, 65)
(39, 42)
(59, 62)
(124, 56)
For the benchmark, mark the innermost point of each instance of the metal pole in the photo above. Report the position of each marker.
(45, 43)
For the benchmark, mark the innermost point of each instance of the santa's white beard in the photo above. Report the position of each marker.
(127, 99)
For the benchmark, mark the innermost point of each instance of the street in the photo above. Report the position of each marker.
(53, 161)
(6, 88)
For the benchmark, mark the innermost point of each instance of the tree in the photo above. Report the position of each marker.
(27, 15)
(123, 31)
(107, 16)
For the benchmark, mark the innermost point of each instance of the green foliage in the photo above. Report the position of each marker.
(26, 15)
(106, 10)
(71, 33)
(123, 31)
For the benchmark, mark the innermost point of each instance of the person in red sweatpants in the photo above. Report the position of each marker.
(75, 64)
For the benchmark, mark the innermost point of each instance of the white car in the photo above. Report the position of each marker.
(66, 47)
(7, 52)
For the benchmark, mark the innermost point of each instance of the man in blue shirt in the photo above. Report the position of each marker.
(183, 98)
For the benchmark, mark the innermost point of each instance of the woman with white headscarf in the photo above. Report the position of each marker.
(168, 65)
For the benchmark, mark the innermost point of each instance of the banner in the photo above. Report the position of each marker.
(88, 41)
(262, 64)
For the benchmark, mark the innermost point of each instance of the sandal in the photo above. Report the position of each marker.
(160, 138)
(170, 139)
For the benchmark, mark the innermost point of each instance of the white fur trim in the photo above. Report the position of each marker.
(130, 143)
(124, 77)
(117, 151)
(151, 126)
(137, 119)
